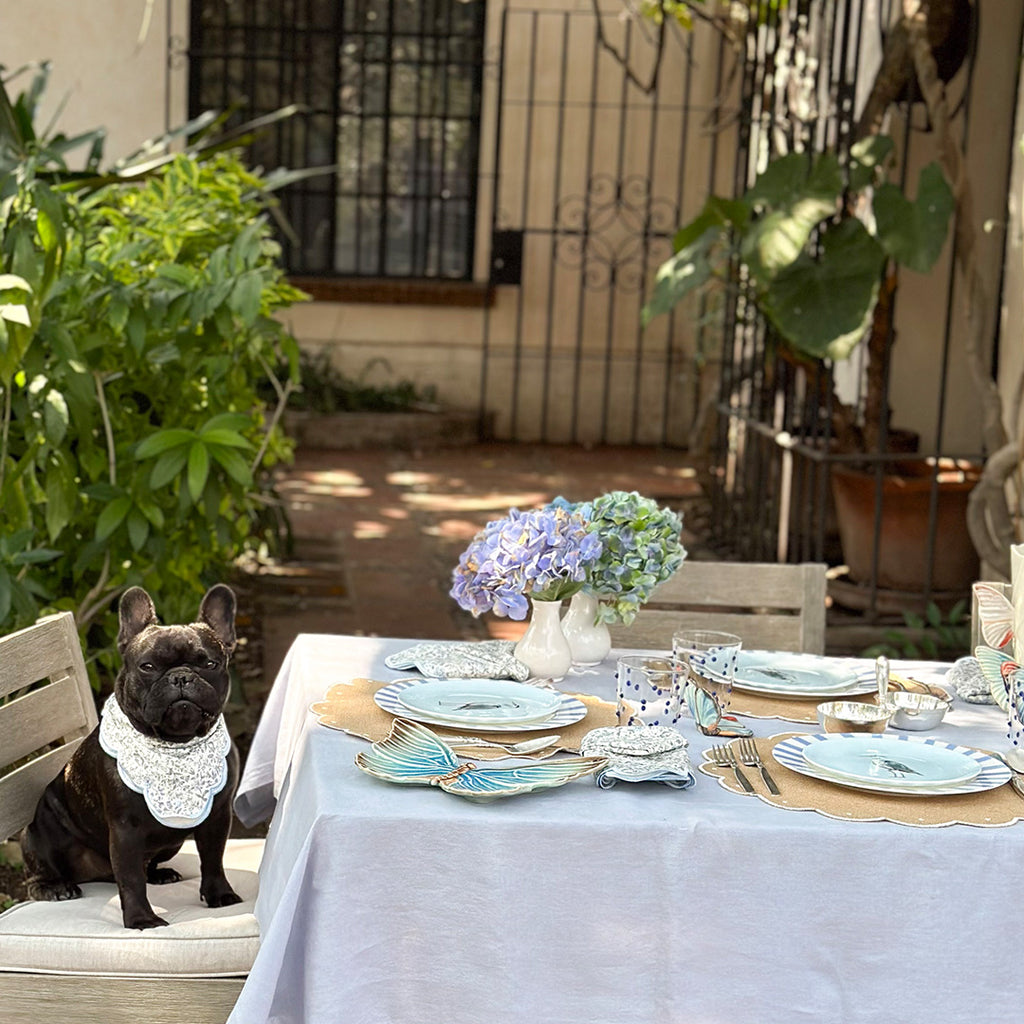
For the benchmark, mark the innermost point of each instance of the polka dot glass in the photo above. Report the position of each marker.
(649, 689)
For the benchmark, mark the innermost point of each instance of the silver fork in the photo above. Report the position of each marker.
(725, 758)
(752, 759)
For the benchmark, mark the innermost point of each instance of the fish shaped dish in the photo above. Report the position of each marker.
(412, 755)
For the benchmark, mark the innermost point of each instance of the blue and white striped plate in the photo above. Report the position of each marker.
(569, 710)
(991, 772)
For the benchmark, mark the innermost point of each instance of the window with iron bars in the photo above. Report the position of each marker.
(390, 91)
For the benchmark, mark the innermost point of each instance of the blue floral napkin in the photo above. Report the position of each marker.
(461, 659)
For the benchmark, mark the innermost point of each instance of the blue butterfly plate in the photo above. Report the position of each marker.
(412, 755)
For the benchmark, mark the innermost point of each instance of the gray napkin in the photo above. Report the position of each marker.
(461, 659)
(969, 682)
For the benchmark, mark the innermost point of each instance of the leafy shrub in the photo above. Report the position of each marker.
(136, 326)
(929, 636)
(323, 388)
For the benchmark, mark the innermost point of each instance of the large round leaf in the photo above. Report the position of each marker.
(822, 306)
(914, 232)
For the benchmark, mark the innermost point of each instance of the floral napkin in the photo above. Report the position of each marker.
(461, 659)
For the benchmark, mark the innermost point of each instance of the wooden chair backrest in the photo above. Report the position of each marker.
(770, 606)
(46, 710)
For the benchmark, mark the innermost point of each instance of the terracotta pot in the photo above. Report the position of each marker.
(903, 544)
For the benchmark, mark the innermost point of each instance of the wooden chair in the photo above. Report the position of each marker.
(75, 960)
(771, 607)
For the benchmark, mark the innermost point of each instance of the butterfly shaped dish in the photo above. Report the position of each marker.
(412, 755)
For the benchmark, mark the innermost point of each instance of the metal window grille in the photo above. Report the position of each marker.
(391, 96)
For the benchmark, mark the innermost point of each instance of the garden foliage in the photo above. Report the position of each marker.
(136, 328)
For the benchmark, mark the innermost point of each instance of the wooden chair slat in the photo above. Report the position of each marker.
(775, 607)
(21, 789)
(40, 717)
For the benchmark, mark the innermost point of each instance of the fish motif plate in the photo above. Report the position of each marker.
(902, 765)
(480, 701)
(780, 674)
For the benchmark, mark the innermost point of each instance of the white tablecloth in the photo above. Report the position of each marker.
(386, 904)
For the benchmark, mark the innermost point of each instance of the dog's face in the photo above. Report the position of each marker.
(174, 679)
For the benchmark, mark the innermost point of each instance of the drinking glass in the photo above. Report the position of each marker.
(649, 689)
(709, 656)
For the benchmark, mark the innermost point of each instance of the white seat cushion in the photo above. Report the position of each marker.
(88, 936)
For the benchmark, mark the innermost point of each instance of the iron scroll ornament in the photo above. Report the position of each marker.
(616, 233)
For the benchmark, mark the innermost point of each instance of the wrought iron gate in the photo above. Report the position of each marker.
(599, 139)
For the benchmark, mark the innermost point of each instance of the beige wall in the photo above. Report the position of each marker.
(109, 64)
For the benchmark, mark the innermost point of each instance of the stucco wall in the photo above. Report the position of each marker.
(109, 65)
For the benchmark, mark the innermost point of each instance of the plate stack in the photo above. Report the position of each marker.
(487, 705)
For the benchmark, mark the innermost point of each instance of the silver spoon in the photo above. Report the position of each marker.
(523, 747)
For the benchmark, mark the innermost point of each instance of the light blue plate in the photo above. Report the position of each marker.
(780, 674)
(570, 709)
(480, 701)
(904, 750)
(885, 761)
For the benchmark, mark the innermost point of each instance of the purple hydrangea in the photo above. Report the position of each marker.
(541, 554)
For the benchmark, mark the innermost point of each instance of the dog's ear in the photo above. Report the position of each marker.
(136, 612)
(218, 612)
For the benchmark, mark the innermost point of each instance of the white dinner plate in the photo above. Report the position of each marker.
(569, 710)
(991, 772)
(480, 701)
(782, 674)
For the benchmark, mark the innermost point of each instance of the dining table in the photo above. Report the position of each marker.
(639, 902)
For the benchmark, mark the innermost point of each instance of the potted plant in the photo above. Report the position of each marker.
(820, 239)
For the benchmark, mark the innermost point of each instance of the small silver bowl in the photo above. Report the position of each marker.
(851, 716)
(916, 711)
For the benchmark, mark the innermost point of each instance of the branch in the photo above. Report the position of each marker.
(108, 431)
(988, 519)
(621, 59)
(282, 401)
(916, 14)
(4, 429)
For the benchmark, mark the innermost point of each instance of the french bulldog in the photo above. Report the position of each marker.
(90, 825)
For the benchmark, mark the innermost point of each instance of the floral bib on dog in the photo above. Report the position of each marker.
(178, 780)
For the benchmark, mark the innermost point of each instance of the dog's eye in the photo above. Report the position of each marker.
(148, 666)
(211, 663)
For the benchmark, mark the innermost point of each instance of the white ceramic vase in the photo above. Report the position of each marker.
(543, 648)
(589, 640)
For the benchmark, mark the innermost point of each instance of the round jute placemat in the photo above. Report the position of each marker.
(350, 707)
(988, 809)
(787, 709)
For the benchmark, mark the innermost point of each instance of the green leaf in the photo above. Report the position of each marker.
(162, 441)
(14, 281)
(866, 158)
(245, 296)
(138, 529)
(167, 467)
(822, 307)
(198, 469)
(112, 517)
(680, 274)
(226, 421)
(55, 417)
(35, 556)
(780, 183)
(230, 438)
(61, 495)
(717, 212)
(15, 314)
(234, 465)
(913, 233)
